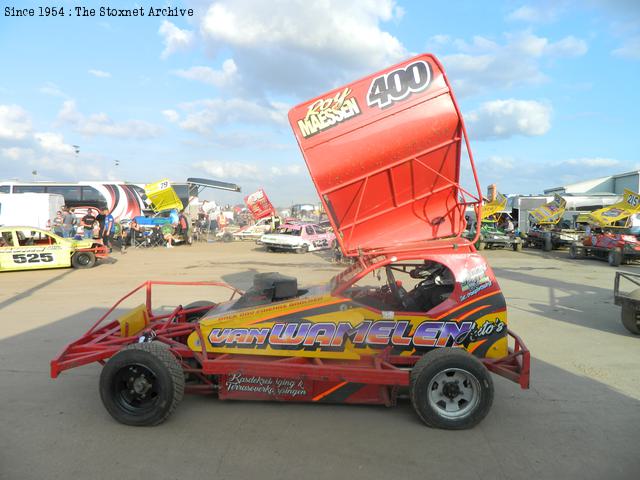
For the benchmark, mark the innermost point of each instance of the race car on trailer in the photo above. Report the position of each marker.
(611, 237)
(384, 155)
(30, 248)
(491, 236)
(545, 231)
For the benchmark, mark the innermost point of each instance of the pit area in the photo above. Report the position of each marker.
(579, 419)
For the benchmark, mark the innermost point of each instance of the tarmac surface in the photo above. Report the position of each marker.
(580, 419)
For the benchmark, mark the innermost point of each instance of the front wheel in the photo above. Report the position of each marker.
(547, 246)
(451, 389)
(517, 247)
(303, 249)
(83, 260)
(142, 384)
(481, 245)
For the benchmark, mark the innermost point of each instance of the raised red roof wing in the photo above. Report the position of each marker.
(384, 154)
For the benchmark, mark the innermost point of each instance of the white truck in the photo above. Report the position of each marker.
(29, 209)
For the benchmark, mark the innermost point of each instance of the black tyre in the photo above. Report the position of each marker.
(451, 389)
(630, 316)
(192, 317)
(303, 249)
(547, 246)
(614, 257)
(481, 245)
(142, 384)
(517, 247)
(227, 237)
(83, 260)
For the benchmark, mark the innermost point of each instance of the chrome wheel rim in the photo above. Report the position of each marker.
(454, 393)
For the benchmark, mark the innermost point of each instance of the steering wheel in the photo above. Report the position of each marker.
(398, 292)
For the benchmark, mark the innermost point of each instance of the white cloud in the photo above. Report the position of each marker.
(499, 119)
(99, 73)
(174, 38)
(202, 116)
(499, 162)
(630, 49)
(484, 64)
(234, 170)
(53, 143)
(171, 115)
(52, 90)
(102, 124)
(539, 14)
(15, 122)
(567, 47)
(592, 162)
(247, 171)
(16, 153)
(217, 78)
(301, 46)
(286, 170)
(46, 152)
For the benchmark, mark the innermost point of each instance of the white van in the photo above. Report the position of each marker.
(29, 209)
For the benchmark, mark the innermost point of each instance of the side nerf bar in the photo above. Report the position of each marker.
(515, 366)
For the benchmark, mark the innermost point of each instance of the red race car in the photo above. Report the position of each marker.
(612, 237)
(384, 154)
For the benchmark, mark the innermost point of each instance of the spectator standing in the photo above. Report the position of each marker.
(183, 225)
(108, 229)
(87, 223)
(56, 227)
(68, 223)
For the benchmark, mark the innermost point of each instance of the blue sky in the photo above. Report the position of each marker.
(549, 90)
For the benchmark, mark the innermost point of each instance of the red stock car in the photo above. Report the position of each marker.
(615, 248)
(384, 155)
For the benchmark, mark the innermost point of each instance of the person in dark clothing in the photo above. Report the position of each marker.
(87, 223)
(183, 224)
(100, 219)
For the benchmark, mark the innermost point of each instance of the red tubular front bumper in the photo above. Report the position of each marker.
(515, 366)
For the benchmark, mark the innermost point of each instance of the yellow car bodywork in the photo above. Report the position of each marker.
(30, 248)
(328, 326)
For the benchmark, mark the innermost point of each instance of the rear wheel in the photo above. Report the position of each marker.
(142, 384)
(631, 316)
(227, 237)
(614, 257)
(451, 389)
(548, 245)
(83, 260)
(481, 245)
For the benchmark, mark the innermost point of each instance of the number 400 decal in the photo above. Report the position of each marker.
(399, 84)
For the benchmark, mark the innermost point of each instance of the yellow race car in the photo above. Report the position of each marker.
(30, 248)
